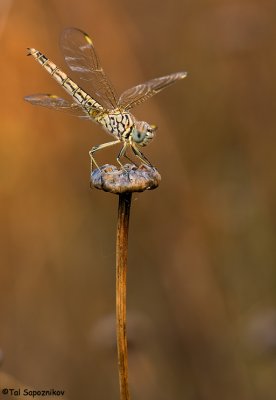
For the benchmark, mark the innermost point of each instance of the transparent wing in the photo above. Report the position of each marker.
(56, 103)
(81, 57)
(138, 94)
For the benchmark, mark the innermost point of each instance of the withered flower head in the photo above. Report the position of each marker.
(128, 179)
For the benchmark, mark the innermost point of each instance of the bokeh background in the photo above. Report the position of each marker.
(202, 251)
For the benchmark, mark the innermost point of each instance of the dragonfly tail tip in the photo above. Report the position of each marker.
(30, 51)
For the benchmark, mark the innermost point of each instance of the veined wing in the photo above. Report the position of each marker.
(81, 57)
(56, 103)
(138, 94)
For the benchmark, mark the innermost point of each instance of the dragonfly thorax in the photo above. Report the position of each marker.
(120, 124)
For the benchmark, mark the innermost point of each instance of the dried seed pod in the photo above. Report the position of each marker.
(130, 179)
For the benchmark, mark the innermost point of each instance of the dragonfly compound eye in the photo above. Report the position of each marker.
(143, 133)
(138, 136)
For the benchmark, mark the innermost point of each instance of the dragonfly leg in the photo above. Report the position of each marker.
(123, 154)
(129, 159)
(100, 147)
(140, 155)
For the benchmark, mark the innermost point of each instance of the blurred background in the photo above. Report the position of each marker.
(202, 251)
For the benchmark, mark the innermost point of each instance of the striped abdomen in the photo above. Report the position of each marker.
(79, 95)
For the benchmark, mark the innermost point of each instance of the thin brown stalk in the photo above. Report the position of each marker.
(121, 275)
(123, 182)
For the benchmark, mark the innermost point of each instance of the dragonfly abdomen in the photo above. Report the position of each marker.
(79, 95)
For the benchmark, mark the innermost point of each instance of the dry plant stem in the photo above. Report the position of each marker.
(123, 182)
(121, 273)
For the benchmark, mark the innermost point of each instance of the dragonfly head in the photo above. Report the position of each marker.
(142, 133)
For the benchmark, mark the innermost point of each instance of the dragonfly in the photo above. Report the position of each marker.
(101, 103)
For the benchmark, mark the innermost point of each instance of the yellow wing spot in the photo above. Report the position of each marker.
(87, 38)
(53, 96)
